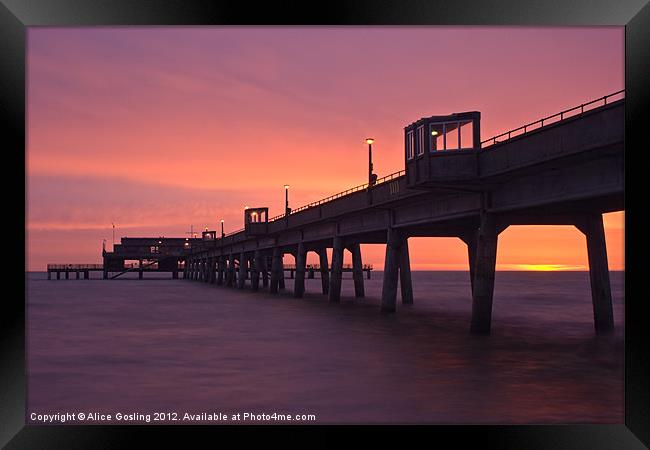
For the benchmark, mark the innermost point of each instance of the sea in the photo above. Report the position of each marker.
(154, 351)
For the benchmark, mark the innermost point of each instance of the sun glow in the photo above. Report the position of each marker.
(546, 267)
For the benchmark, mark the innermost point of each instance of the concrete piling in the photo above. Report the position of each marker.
(265, 271)
(470, 239)
(301, 261)
(391, 271)
(324, 270)
(357, 270)
(484, 267)
(601, 294)
(405, 282)
(230, 270)
(337, 270)
(257, 268)
(243, 267)
(276, 271)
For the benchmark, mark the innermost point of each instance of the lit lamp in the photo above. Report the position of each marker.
(287, 210)
(371, 178)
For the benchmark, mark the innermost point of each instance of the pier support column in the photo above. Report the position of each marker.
(175, 274)
(391, 271)
(77, 274)
(357, 270)
(230, 270)
(49, 275)
(276, 270)
(58, 275)
(470, 239)
(337, 270)
(243, 268)
(405, 282)
(213, 269)
(220, 270)
(87, 275)
(208, 270)
(265, 271)
(601, 294)
(256, 268)
(484, 267)
(67, 275)
(301, 262)
(324, 270)
(140, 272)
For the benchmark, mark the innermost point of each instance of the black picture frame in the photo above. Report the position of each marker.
(17, 15)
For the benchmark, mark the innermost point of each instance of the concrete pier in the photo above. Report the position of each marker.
(568, 171)
(336, 274)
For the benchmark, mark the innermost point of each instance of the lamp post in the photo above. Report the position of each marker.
(371, 178)
(113, 235)
(287, 210)
(222, 233)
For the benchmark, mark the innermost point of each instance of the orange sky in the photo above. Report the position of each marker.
(158, 128)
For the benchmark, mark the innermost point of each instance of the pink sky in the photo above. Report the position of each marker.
(158, 128)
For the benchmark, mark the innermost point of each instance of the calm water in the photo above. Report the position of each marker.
(181, 346)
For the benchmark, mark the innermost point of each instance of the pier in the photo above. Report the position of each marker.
(564, 169)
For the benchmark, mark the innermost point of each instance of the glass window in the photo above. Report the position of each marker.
(452, 136)
(437, 136)
(410, 144)
(420, 140)
(467, 134)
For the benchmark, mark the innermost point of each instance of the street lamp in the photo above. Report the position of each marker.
(371, 177)
(222, 233)
(287, 210)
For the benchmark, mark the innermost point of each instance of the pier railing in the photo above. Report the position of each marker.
(317, 267)
(567, 113)
(75, 266)
(352, 190)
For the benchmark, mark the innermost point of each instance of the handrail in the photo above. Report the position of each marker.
(317, 266)
(540, 122)
(349, 191)
(74, 266)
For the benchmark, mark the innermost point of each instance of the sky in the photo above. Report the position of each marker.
(157, 129)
